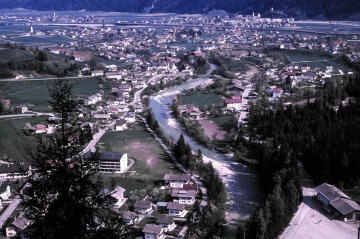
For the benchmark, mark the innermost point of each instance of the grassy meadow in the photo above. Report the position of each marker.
(151, 161)
(35, 93)
(314, 59)
(202, 99)
(13, 141)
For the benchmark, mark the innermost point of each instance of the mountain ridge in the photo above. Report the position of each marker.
(300, 9)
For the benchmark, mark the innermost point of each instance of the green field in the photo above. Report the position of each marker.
(7, 54)
(226, 122)
(202, 100)
(314, 59)
(13, 141)
(36, 92)
(151, 161)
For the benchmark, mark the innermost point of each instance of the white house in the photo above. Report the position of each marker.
(153, 231)
(118, 194)
(5, 192)
(183, 196)
(10, 232)
(176, 180)
(113, 162)
(11, 170)
(176, 209)
(143, 206)
(120, 125)
(233, 104)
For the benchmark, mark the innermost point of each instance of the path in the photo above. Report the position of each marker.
(311, 222)
(8, 211)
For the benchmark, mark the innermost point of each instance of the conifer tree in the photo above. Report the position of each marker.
(65, 198)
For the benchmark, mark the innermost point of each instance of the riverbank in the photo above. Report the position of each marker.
(241, 181)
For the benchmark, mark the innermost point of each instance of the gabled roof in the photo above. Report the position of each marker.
(330, 191)
(345, 206)
(177, 177)
(21, 221)
(190, 186)
(152, 229)
(183, 193)
(120, 122)
(175, 206)
(164, 219)
(142, 204)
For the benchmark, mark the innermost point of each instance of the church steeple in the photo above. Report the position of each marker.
(31, 28)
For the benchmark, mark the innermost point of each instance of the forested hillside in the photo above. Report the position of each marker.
(334, 9)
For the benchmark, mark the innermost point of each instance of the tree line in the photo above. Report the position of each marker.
(323, 135)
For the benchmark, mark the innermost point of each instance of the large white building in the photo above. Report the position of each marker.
(113, 162)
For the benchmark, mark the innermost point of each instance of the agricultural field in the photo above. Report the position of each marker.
(151, 161)
(314, 59)
(35, 93)
(199, 100)
(13, 141)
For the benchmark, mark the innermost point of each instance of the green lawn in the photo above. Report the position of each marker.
(316, 60)
(202, 99)
(13, 141)
(36, 92)
(225, 122)
(151, 161)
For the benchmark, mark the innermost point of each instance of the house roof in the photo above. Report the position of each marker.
(183, 193)
(330, 191)
(142, 204)
(233, 101)
(345, 206)
(111, 156)
(13, 168)
(164, 219)
(127, 215)
(21, 221)
(190, 186)
(152, 229)
(175, 206)
(177, 177)
(118, 193)
(162, 204)
(120, 122)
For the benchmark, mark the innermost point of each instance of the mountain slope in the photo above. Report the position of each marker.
(336, 9)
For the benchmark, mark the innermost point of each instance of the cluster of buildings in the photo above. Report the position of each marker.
(166, 219)
(337, 203)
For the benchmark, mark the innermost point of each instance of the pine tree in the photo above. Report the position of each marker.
(65, 198)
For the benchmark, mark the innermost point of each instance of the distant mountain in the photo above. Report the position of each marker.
(334, 9)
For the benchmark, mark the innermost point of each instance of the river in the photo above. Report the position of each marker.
(241, 181)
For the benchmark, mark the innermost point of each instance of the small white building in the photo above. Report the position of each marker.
(153, 231)
(5, 192)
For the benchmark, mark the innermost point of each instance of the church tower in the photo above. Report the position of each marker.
(31, 28)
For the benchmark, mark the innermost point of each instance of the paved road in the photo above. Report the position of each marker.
(30, 114)
(47, 78)
(8, 211)
(138, 93)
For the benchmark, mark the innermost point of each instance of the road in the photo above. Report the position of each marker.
(48, 78)
(311, 222)
(31, 114)
(8, 211)
(138, 93)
